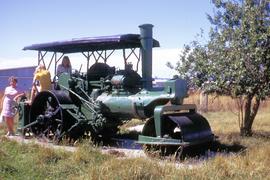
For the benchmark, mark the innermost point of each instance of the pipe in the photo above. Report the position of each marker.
(146, 50)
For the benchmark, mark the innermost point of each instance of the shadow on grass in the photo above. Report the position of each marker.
(210, 150)
(125, 140)
(201, 151)
(227, 148)
(261, 134)
(134, 135)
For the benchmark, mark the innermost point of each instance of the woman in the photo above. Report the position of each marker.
(8, 101)
(41, 81)
(64, 67)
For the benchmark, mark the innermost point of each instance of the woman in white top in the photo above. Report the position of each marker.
(64, 67)
(10, 96)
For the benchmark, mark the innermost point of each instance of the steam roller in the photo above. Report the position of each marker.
(95, 102)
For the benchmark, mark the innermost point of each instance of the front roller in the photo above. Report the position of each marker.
(173, 132)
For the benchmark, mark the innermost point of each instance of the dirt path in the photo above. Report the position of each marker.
(118, 151)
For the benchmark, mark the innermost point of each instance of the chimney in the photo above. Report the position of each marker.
(146, 50)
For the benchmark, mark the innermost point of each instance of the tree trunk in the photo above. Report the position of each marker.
(251, 109)
(203, 101)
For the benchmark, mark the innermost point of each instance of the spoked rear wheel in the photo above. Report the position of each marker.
(46, 116)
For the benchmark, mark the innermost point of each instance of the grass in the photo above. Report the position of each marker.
(21, 161)
(30, 161)
(33, 162)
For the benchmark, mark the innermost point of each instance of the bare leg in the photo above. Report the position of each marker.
(10, 125)
(33, 94)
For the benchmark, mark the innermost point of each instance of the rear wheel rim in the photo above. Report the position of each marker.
(46, 109)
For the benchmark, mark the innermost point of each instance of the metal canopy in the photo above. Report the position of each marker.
(91, 44)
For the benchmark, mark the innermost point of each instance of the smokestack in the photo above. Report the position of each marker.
(146, 50)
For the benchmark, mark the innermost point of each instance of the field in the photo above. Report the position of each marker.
(250, 161)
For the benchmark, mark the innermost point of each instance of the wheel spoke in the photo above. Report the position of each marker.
(46, 131)
(47, 112)
(56, 111)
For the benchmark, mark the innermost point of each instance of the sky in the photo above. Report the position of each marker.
(26, 22)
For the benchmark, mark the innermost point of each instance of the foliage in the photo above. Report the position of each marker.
(236, 59)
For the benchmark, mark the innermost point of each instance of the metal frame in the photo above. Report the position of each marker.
(95, 55)
(54, 58)
(159, 110)
(138, 57)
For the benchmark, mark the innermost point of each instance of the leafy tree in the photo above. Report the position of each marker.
(236, 59)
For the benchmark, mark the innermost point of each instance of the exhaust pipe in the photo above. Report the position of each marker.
(146, 50)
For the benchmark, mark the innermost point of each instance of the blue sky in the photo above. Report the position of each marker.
(25, 22)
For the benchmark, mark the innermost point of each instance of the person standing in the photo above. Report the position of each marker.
(41, 81)
(64, 67)
(11, 94)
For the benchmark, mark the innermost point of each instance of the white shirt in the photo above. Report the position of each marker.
(62, 69)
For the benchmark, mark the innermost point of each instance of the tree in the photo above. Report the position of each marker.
(236, 59)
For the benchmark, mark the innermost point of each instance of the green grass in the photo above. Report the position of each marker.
(33, 162)
(30, 161)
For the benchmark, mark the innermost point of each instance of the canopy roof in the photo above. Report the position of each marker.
(91, 44)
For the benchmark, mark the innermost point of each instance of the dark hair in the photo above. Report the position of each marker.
(12, 78)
